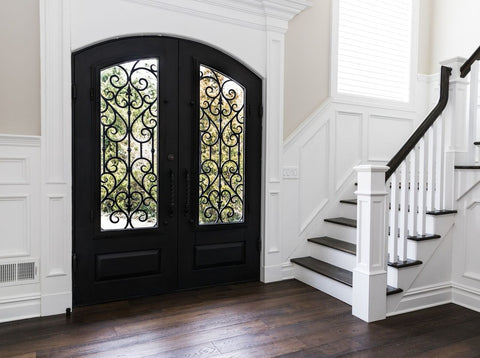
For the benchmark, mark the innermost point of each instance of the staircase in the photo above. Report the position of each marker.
(419, 210)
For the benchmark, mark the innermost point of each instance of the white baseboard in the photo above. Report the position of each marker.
(466, 297)
(422, 297)
(285, 271)
(56, 303)
(19, 307)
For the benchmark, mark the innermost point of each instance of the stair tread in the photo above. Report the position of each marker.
(335, 244)
(349, 201)
(467, 166)
(476, 143)
(406, 263)
(393, 290)
(441, 212)
(342, 221)
(334, 272)
(423, 237)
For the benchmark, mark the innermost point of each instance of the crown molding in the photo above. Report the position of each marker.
(272, 15)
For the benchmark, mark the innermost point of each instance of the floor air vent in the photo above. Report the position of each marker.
(19, 272)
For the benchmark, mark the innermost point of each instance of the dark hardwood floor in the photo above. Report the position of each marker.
(286, 319)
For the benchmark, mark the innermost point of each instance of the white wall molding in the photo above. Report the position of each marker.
(466, 296)
(14, 140)
(257, 14)
(19, 307)
(424, 297)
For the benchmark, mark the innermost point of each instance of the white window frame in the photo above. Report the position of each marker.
(372, 101)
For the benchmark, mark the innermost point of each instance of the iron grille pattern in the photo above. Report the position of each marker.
(128, 135)
(222, 129)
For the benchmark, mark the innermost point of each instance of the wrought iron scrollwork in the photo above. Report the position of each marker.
(128, 136)
(222, 131)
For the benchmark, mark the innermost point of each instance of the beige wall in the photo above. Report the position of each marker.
(425, 36)
(307, 63)
(307, 58)
(455, 30)
(20, 67)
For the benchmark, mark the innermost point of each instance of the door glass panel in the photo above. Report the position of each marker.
(222, 131)
(128, 137)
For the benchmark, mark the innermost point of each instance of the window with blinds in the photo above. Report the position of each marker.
(374, 48)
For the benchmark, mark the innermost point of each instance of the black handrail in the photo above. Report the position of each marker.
(467, 66)
(423, 128)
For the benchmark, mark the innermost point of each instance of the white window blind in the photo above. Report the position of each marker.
(374, 48)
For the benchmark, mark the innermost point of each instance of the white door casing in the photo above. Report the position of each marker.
(252, 31)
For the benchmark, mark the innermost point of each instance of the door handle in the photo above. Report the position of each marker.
(188, 196)
(171, 204)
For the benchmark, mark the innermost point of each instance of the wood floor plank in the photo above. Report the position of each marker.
(287, 319)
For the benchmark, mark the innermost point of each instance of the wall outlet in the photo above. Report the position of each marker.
(290, 172)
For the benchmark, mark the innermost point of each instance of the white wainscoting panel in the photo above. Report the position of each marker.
(466, 262)
(348, 144)
(20, 227)
(386, 135)
(472, 241)
(56, 262)
(15, 226)
(314, 188)
(14, 171)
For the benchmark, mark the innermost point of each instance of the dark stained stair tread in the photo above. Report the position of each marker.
(335, 244)
(334, 272)
(342, 221)
(467, 166)
(476, 143)
(393, 290)
(441, 212)
(406, 263)
(349, 201)
(424, 237)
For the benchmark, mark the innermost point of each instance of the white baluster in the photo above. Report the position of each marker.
(403, 213)
(473, 130)
(422, 178)
(431, 168)
(394, 200)
(440, 163)
(412, 221)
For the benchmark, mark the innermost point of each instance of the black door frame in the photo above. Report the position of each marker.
(260, 191)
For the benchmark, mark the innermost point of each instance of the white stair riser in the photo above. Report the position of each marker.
(341, 232)
(332, 256)
(402, 277)
(323, 283)
(348, 211)
(421, 250)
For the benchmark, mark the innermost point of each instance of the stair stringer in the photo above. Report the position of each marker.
(428, 284)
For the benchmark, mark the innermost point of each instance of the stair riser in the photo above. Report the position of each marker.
(331, 287)
(348, 211)
(332, 256)
(421, 250)
(402, 277)
(341, 232)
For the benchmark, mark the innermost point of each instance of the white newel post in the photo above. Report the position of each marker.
(456, 128)
(369, 301)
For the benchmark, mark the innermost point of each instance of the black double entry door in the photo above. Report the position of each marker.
(166, 169)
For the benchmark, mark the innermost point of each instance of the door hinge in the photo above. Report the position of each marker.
(260, 111)
(92, 94)
(74, 262)
(74, 91)
(259, 244)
